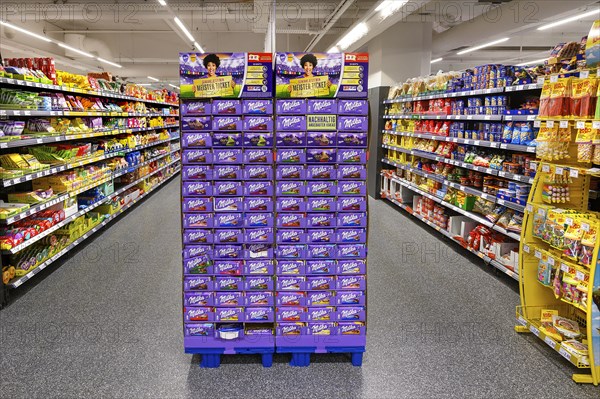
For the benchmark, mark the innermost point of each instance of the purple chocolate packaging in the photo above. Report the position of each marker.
(196, 107)
(285, 188)
(260, 299)
(192, 251)
(323, 266)
(290, 267)
(257, 107)
(228, 267)
(291, 220)
(321, 204)
(320, 298)
(197, 188)
(291, 155)
(290, 172)
(351, 313)
(353, 123)
(263, 234)
(228, 123)
(224, 139)
(200, 330)
(228, 283)
(291, 299)
(320, 172)
(226, 107)
(197, 172)
(226, 188)
(291, 314)
(259, 220)
(352, 219)
(291, 106)
(228, 236)
(325, 313)
(352, 155)
(259, 251)
(198, 283)
(358, 235)
(353, 298)
(227, 155)
(228, 204)
(353, 266)
(353, 107)
(193, 140)
(258, 188)
(291, 123)
(197, 265)
(296, 251)
(258, 172)
(229, 172)
(199, 155)
(320, 139)
(197, 220)
(346, 251)
(291, 283)
(352, 172)
(291, 204)
(196, 123)
(259, 314)
(228, 220)
(320, 220)
(290, 139)
(291, 236)
(321, 251)
(258, 267)
(354, 139)
(322, 106)
(292, 329)
(197, 205)
(321, 155)
(257, 123)
(198, 314)
(258, 283)
(352, 204)
(229, 314)
(228, 252)
(351, 283)
(229, 299)
(321, 188)
(323, 236)
(352, 188)
(258, 139)
(258, 155)
(258, 204)
(352, 328)
(197, 236)
(199, 298)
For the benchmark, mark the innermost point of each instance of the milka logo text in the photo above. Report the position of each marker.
(291, 105)
(352, 105)
(288, 122)
(352, 123)
(226, 154)
(226, 121)
(256, 106)
(221, 106)
(321, 105)
(257, 234)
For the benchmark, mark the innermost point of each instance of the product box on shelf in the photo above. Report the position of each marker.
(196, 107)
(321, 172)
(197, 265)
(228, 267)
(197, 172)
(321, 139)
(257, 123)
(260, 298)
(324, 266)
(351, 172)
(192, 251)
(228, 252)
(198, 314)
(262, 156)
(258, 172)
(191, 139)
(324, 313)
(320, 298)
(227, 139)
(350, 298)
(321, 220)
(259, 267)
(228, 220)
(291, 298)
(197, 189)
(355, 266)
(290, 267)
(352, 139)
(258, 204)
(322, 106)
(290, 220)
(228, 204)
(321, 236)
(263, 234)
(290, 172)
(321, 204)
(291, 123)
(259, 314)
(197, 205)
(258, 139)
(227, 156)
(289, 313)
(258, 188)
(259, 220)
(226, 107)
(197, 220)
(227, 299)
(224, 188)
(257, 107)
(290, 139)
(287, 188)
(202, 155)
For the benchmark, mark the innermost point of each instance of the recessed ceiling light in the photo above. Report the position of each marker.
(109, 62)
(184, 29)
(471, 49)
(570, 19)
(73, 49)
(162, 2)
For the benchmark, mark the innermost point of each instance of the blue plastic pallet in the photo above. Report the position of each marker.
(211, 357)
(301, 354)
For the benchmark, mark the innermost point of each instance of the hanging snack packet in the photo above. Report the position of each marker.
(584, 141)
(516, 134)
(507, 133)
(588, 241)
(545, 99)
(560, 98)
(572, 240)
(527, 136)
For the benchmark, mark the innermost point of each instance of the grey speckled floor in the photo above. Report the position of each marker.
(107, 323)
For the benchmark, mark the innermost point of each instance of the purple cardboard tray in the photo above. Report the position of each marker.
(258, 139)
(352, 329)
(258, 204)
(198, 155)
(352, 219)
(290, 172)
(321, 188)
(228, 123)
(229, 299)
(320, 220)
(320, 283)
(228, 236)
(197, 236)
(259, 251)
(229, 172)
(198, 283)
(320, 139)
(356, 235)
(291, 283)
(196, 123)
(291, 220)
(296, 251)
(290, 139)
(321, 251)
(196, 108)
(260, 298)
(323, 266)
(257, 107)
(258, 283)
(321, 313)
(290, 267)
(226, 139)
(226, 107)
(321, 155)
(227, 155)
(321, 204)
(228, 220)
(258, 267)
(351, 313)
(289, 314)
(291, 123)
(321, 236)
(291, 236)
(352, 139)
(352, 156)
(290, 188)
(320, 298)
(228, 267)
(354, 251)
(350, 298)
(291, 106)
(228, 283)
(353, 107)
(257, 123)
(258, 155)
(352, 204)
(197, 220)
(228, 252)
(291, 156)
(258, 172)
(352, 188)
(207, 337)
(197, 188)
(291, 299)
(198, 298)
(193, 140)
(291, 204)
(265, 315)
(352, 172)
(353, 266)
(322, 106)
(228, 204)
(197, 265)
(351, 283)
(258, 188)
(353, 123)
(197, 172)
(227, 188)
(199, 330)
(195, 313)
(320, 172)
(291, 329)
(262, 234)
(193, 251)
(229, 314)
(321, 328)
(259, 220)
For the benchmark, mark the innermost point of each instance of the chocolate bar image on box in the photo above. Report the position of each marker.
(258, 156)
(291, 220)
(196, 123)
(192, 251)
(226, 107)
(264, 234)
(229, 314)
(291, 172)
(229, 155)
(257, 123)
(291, 106)
(321, 204)
(287, 314)
(196, 313)
(228, 236)
(228, 204)
(290, 251)
(199, 330)
(324, 266)
(228, 267)
(352, 172)
(198, 298)
(291, 283)
(197, 205)
(258, 204)
(346, 251)
(322, 106)
(192, 140)
(230, 172)
(321, 188)
(198, 265)
(200, 155)
(320, 172)
(321, 155)
(353, 107)
(290, 139)
(352, 204)
(355, 139)
(228, 283)
(228, 220)
(321, 139)
(227, 123)
(352, 188)
(257, 107)
(197, 236)
(228, 252)
(197, 172)
(220, 139)
(291, 204)
(286, 188)
(195, 108)
(197, 220)
(320, 298)
(259, 251)
(291, 236)
(259, 267)
(321, 251)
(258, 139)
(259, 314)
(291, 299)
(324, 313)
(198, 283)
(228, 188)
(358, 235)
(259, 220)
(258, 172)
(290, 267)
(260, 299)
(197, 189)
(350, 298)
(291, 123)
(320, 220)
(321, 236)
(229, 299)
(351, 266)
(258, 283)
(258, 188)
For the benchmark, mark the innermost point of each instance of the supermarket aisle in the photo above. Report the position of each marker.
(108, 324)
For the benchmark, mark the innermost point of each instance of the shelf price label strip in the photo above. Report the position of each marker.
(508, 89)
